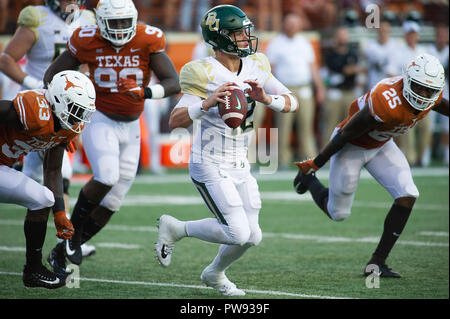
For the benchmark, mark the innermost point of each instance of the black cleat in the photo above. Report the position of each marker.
(72, 253)
(57, 260)
(299, 182)
(42, 277)
(383, 271)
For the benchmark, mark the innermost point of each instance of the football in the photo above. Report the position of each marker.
(234, 110)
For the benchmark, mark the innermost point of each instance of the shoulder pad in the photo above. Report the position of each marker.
(193, 79)
(88, 16)
(29, 17)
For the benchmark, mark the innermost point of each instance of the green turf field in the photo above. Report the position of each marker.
(303, 254)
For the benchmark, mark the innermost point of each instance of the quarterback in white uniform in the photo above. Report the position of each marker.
(42, 34)
(218, 163)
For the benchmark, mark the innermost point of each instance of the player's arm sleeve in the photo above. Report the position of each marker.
(187, 99)
(273, 86)
(30, 18)
(193, 79)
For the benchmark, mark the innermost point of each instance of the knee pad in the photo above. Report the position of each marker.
(108, 180)
(255, 237)
(238, 235)
(45, 199)
(113, 200)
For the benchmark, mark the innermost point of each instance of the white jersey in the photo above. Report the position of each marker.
(214, 141)
(52, 34)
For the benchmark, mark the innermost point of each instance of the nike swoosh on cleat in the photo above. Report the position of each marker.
(163, 252)
(69, 251)
(54, 282)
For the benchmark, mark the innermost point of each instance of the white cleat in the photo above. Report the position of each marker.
(220, 282)
(87, 250)
(170, 230)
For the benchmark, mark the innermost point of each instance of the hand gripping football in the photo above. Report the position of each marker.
(234, 110)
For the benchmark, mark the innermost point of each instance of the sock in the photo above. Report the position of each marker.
(227, 255)
(34, 237)
(95, 222)
(319, 193)
(81, 211)
(393, 226)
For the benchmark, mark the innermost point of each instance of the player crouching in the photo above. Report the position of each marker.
(38, 120)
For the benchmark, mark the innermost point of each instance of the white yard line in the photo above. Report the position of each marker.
(278, 176)
(434, 233)
(174, 285)
(315, 238)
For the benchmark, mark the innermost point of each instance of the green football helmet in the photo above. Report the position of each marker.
(218, 25)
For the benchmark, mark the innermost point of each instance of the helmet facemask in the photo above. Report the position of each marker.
(234, 45)
(421, 96)
(220, 27)
(72, 97)
(119, 31)
(117, 24)
(423, 82)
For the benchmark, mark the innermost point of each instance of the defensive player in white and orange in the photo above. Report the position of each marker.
(121, 55)
(41, 36)
(42, 120)
(364, 139)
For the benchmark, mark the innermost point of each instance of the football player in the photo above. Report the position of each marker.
(218, 165)
(41, 37)
(42, 120)
(121, 55)
(364, 139)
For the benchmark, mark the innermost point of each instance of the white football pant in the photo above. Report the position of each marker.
(232, 195)
(387, 164)
(113, 150)
(17, 188)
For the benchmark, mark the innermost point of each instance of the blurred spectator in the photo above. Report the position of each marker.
(269, 15)
(187, 13)
(3, 14)
(377, 53)
(440, 50)
(315, 14)
(416, 155)
(292, 58)
(341, 71)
